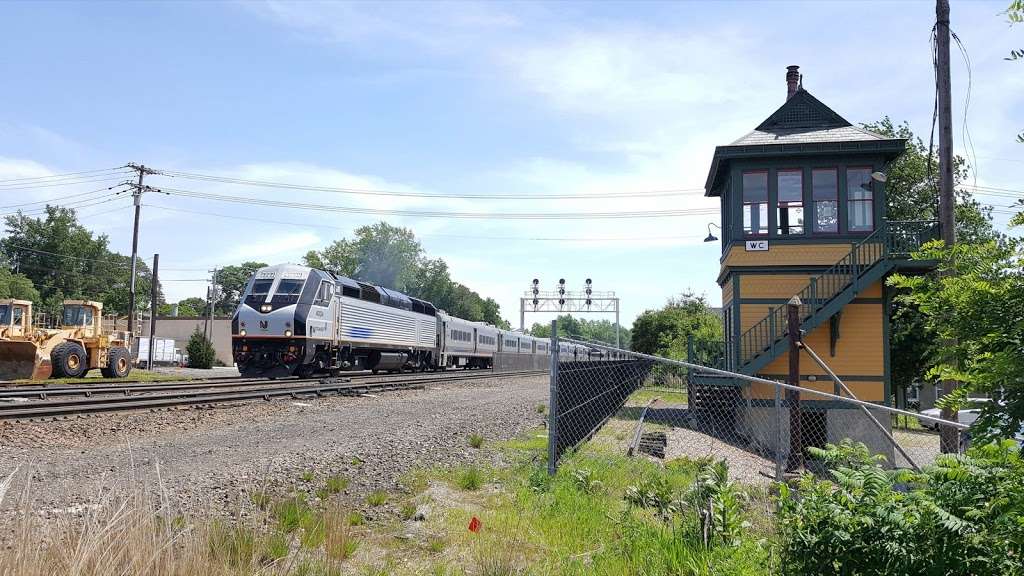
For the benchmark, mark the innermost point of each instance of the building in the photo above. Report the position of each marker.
(180, 328)
(803, 213)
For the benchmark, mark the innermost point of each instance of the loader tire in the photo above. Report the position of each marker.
(119, 363)
(68, 360)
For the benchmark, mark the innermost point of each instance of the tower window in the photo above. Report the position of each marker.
(755, 202)
(860, 199)
(790, 216)
(825, 193)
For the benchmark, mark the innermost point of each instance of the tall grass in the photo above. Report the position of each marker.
(134, 531)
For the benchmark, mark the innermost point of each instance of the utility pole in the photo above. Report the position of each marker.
(212, 295)
(137, 190)
(154, 291)
(948, 436)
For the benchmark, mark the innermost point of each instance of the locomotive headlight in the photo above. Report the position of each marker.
(287, 333)
(241, 332)
(266, 308)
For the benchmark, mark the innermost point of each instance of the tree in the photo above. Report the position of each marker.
(391, 257)
(975, 306)
(17, 286)
(664, 332)
(601, 331)
(911, 194)
(200, 351)
(192, 307)
(231, 282)
(63, 259)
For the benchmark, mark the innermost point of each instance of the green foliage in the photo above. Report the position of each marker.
(964, 515)
(583, 329)
(63, 259)
(664, 332)
(17, 286)
(377, 498)
(200, 351)
(336, 484)
(470, 478)
(392, 257)
(846, 454)
(911, 190)
(975, 305)
(192, 307)
(291, 513)
(475, 440)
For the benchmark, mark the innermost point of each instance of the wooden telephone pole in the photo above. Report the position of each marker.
(948, 436)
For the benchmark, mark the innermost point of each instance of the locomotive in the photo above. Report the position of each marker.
(297, 321)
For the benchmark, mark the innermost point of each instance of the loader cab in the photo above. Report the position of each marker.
(15, 318)
(83, 315)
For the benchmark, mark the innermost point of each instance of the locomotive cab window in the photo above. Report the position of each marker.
(323, 294)
(289, 287)
(261, 287)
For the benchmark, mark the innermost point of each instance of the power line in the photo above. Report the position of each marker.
(440, 213)
(84, 203)
(410, 194)
(48, 200)
(468, 237)
(105, 178)
(66, 174)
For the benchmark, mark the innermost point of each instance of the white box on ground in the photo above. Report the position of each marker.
(163, 350)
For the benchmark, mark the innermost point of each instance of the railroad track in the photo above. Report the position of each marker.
(44, 392)
(191, 397)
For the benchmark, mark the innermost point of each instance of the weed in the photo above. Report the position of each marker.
(436, 544)
(339, 540)
(322, 493)
(407, 511)
(475, 440)
(539, 479)
(356, 519)
(585, 481)
(274, 547)
(377, 498)
(260, 499)
(470, 479)
(291, 513)
(308, 476)
(313, 531)
(316, 568)
(234, 546)
(336, 484)
(542, 408)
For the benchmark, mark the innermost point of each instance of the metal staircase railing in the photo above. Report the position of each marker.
(867, 262)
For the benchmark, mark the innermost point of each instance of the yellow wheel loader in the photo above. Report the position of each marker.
(69, 351)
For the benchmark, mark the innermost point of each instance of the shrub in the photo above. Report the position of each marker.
(200, 351)
(964, 515)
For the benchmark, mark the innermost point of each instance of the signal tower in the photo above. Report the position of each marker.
(562, 300)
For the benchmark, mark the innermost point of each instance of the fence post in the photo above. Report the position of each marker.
(778, 434)
(796, 443)
(553, 403)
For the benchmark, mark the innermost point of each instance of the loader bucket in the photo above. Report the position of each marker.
(20, 360)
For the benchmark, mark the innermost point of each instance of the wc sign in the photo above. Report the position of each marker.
(757, 245)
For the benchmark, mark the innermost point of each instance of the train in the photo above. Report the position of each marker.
(299, 321)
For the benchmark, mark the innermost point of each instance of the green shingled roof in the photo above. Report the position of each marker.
(802, 125)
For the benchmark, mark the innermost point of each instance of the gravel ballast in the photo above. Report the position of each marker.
(210, 458)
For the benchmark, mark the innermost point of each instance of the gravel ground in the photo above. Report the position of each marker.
(209, 458)
(215, 372)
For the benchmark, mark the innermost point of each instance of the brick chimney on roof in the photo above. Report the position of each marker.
(792, 81)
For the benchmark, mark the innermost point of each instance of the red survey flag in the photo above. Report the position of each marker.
(474, 525)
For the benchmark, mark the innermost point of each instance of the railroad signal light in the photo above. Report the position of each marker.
(561, 301)
(535, 291)
(589, 282)
(535, 302)
(588, 302)
(535, 281)
(588, 290)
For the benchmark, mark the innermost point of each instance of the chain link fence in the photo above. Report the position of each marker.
(620, 402)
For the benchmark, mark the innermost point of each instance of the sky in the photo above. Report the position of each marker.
(463, 98)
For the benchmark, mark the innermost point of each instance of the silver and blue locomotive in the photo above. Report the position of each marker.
(295, 320)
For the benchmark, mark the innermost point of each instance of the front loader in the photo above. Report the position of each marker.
(69, 351)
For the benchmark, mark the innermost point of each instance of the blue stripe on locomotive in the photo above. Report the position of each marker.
(359, 332)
